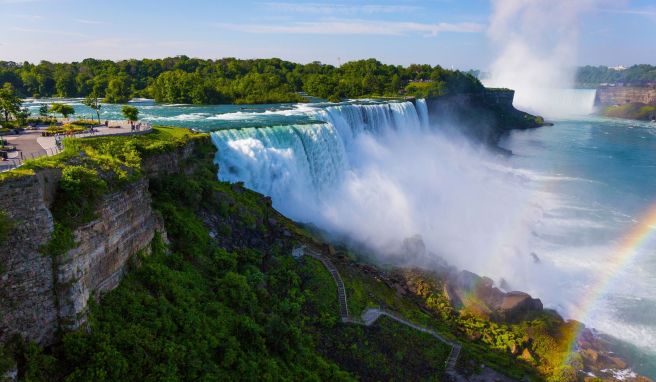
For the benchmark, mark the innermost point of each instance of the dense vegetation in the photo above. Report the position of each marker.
(595, 75)
(229, 80)
(224, 300)
(236, 307)
(633, 110)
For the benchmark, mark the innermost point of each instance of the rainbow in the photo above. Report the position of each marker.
(626, 250)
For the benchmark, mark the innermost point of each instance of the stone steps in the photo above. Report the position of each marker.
(371, 315)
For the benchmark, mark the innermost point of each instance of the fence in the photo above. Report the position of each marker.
(12, 163)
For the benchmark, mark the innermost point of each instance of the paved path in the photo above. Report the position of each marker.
(371, 315)
(31, 144)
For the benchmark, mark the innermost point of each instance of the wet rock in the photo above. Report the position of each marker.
(527, 356)
(480, 296)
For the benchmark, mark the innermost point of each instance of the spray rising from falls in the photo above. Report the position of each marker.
(379, 174)
(537, 45)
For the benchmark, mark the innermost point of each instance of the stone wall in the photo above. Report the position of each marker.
(39, 295)
(125, 225)
(619, 95)
(27, 300)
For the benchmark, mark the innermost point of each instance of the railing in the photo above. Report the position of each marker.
(12, 163)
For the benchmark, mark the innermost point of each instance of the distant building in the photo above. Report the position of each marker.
(618, 68)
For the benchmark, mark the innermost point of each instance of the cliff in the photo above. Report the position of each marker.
(619, 95)
(483, 116)
(218, 297)
(43, 293)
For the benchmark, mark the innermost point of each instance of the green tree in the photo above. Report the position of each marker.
(63, 109)
(9, 102)
(131, 113)
(92, 101)
(43, 110)
(22, 115)
(117, 91)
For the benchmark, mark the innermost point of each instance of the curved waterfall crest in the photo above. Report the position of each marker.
(288, 160)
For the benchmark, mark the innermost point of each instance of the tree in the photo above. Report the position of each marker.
(92, 101)
(22, 115)
(117, 91)
(63, 109)
(43, 110)
(131, 113)
(9, 102)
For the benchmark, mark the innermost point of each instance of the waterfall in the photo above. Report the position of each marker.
(292, 163)
(422, 110)
(557, 103)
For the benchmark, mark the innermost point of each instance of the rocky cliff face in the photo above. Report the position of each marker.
(27, 297)
(40, 294)
(125, 225)
(485, 116)
(619, 95)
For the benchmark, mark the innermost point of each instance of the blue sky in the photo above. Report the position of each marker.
(452, 33)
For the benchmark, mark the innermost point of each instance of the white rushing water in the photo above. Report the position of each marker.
(378, 173)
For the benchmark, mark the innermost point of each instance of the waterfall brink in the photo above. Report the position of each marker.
(292, 163)
(378, 174)
(422, 109)
(557, 103)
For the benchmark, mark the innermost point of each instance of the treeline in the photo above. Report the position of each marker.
(190, 80)
(635, 75)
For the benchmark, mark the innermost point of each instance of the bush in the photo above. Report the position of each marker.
(68, 128)
(79, 191)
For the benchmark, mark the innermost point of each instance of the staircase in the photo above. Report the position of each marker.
(341, 290)
(371, 315)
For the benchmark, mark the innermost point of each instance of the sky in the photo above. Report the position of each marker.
(452, 33)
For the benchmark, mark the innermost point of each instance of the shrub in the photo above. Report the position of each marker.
(79, 192)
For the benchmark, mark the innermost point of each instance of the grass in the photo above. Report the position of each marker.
(120, 155)
(634, 110)
(483, 341)
(387, 350)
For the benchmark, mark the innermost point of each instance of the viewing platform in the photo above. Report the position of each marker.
(31, 144)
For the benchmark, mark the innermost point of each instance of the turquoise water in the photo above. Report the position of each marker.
(377, 172)
(602, 180)
(205, 117)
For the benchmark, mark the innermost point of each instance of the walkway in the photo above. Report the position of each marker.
(31, 144)
(371, 315)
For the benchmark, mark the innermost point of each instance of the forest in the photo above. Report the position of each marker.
(229, 80)
(633, 75)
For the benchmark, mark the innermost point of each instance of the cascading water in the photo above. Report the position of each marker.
(292, 163)
(378, 173)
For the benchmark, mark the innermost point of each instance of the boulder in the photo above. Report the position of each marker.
(516, 305)
(479, 295)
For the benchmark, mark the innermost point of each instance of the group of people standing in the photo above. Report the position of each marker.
(135, 126)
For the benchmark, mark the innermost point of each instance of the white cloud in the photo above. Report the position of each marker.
(355, 27)
(327, 8)
(17, 1)
(48, 32)
(25, 16)
(90, 22)
(646, 11)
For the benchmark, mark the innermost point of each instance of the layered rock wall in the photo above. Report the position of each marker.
(28, 304)
(125, 225)
(40, 294)
(619, 95)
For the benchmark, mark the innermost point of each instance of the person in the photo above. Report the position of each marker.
(106, 123)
